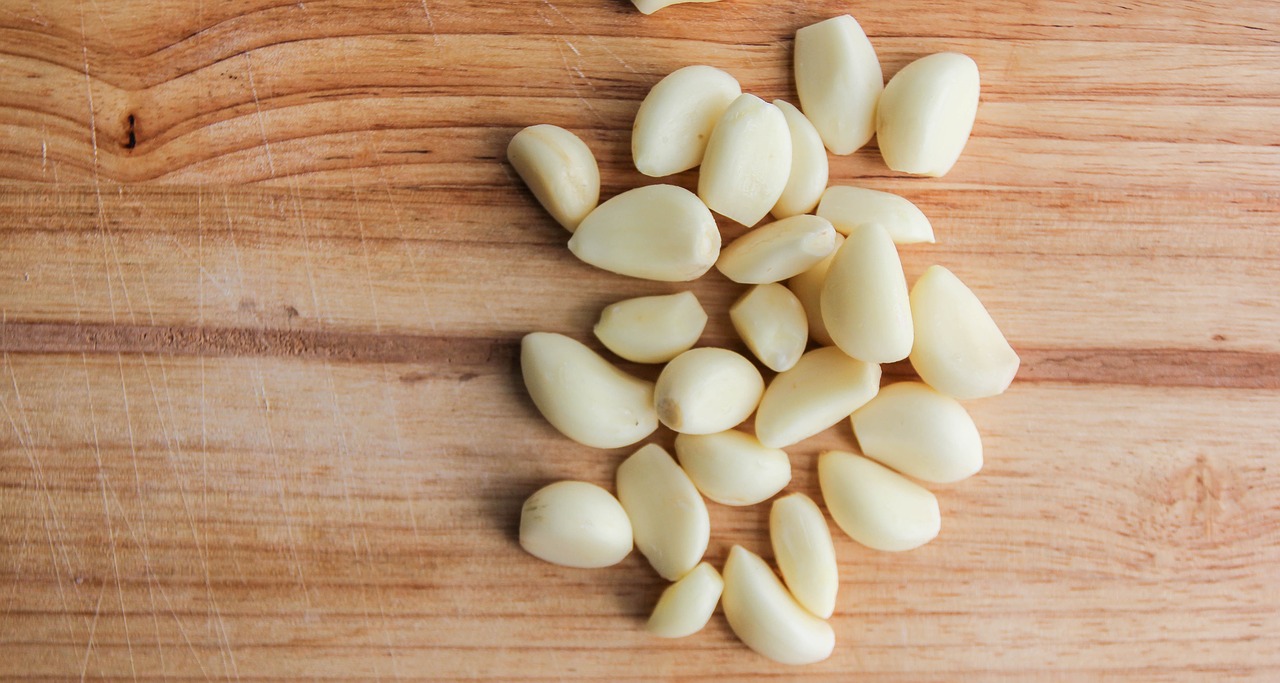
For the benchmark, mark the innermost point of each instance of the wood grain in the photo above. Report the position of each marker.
(263, 274)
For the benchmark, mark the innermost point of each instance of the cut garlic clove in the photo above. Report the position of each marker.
(807, 287)
(668, 517)
(777, 251)
(707, 390)
(849, 207)
(651, 6)
(926, 114)
(823, 388)
(747, 161)
(676, 118)
(559, 169)
(839, 81)
(805, 554)
(764, 615)
(575, 524)
(687, 605)
(656, 232)
(876, 506)
(733, 468)
(865, 304)
(920, 433)
(771, 321)
(652, 329)
(959, 350)
(809, 168)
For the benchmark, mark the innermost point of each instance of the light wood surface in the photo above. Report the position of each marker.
(263, 273)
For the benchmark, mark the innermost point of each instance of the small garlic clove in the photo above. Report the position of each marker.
(668, 517)
(651, 6)
(583, 395)
(772, 323)
(823, 388)
(747, 161)
(777, 251)
(876, 506)
(809, 167)
(807, 287)
(926, 114)
(839, 81)
(849, 207)
(652, 329)
(707, 390)
(919, 432)
(959, 350)
(559, 169)
(687, 605)
(732, 467)
(676, 118)
(865, 304)
(764, 615)
(575, 524)
(656, 232)
(804, 552)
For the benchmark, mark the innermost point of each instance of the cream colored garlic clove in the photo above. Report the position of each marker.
(575, 524)
(804, 552)
(764, 615)
(651, 6)
(656, 232)
(732, 467)
(920, 433)
(865, 304)
(747, 161)
(777, 251)
(926, 114)
(809, 167)
(807, 287)
(771, 321)
(687, 605)
(707, 390)
(559, 169)
(583, 395)
(668, 517)
(652, 329)
(676, 118)
(839, 81)
(959, 350)
(823, 388)
(848, 207)
(876, 506)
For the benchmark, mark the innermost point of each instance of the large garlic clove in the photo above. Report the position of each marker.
(747, 162)
(764, 615)
(575, 524)
(583, 395)
(926, 114)
(876, 506)
(823, 388)
(807, 287)
(707, 390)
(919, 432)
(959, 350)
(804, 552)
(687, 605)
(849, 207)
(676, 118)
(809, 168)
(656, 232)
(771, 321)
(651, 6)
(839, 81)
(865, 304)
(668, 517)
(733, 468)
(559, 169)
(777, 251)
(652, 329)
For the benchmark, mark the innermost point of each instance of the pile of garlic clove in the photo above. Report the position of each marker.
(836, 250)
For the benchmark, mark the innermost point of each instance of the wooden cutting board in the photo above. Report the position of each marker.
(263, 273)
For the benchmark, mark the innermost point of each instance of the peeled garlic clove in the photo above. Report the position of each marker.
(687, 605)
(772, 323)
(559, 169)
(920, 433)
(864, 300)
(747, 162)
(849, 207)
(926, 114)
(807, 287)
(777, 251)
(652, 329)
(764, 615)
(656, 232)
(575, 524)
(959, 350)
(583, 395)
(676, 118)
(809, 167)
(707, 390)
(733, 468)
(823, 388)
(667, 514)
(651, 6)
(805, 554)
(839, 81)
(876, 506)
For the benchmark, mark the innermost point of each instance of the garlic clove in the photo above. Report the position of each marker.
(707, 390)
(876, 506)
(804, 552)
(865, 304)
(777, 251)
(807, 287)
(668, 516)
(849, 207)
(839, 81)
(809, 167)
(764, 615)
(927, 112)
(919, 432)
(575, 524)
(676, 118)
(687, 605)
(559, 169)
(823, 388)
(732, 467)
(652, 329)
(959, 350)
(771, 321)
(747, 161)
(656, 232)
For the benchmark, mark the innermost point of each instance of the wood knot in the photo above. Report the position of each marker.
(130, 134)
